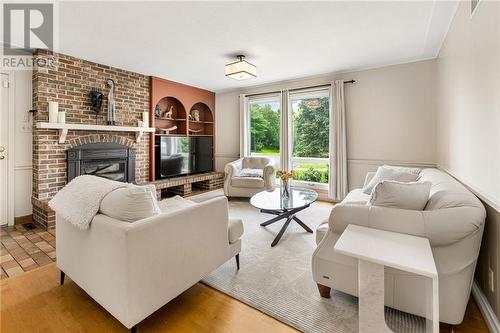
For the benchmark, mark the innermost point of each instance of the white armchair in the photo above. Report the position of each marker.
(133, 269)
(238, 185)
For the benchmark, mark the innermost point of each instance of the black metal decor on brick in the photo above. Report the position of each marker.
(107, 160)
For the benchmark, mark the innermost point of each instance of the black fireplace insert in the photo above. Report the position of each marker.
(107, 160)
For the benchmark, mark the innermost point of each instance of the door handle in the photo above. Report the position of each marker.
(2, 157)
(2, 149)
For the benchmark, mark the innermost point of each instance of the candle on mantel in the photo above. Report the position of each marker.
(53, 111)
(61, 117)
(145, 119)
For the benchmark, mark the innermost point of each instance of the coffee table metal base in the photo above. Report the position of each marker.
(289, 215)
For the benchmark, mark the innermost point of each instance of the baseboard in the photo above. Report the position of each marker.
(23, 219)
(484, 306)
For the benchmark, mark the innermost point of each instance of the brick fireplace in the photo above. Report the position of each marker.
(69, 84)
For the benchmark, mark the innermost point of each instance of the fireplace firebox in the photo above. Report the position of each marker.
(107, 160)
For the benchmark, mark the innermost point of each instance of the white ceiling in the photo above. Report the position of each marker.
(190, 42)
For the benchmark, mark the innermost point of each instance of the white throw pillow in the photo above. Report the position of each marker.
(389, 174)
(174, 204)
(251, 173)
(401, 195)
(403, 169)
(131, 203)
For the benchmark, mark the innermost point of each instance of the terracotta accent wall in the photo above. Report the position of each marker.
(189, 97)
(69, 84)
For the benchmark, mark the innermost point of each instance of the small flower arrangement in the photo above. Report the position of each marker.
(285, 177)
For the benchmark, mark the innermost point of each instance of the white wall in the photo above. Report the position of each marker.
(20, 81)
(391, 117)
(227, 122)
(469, 99)
(468, 74)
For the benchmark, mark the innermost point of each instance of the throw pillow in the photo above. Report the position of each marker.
(389, 174)
(174, 204)
(131, 203)
(403, 169)
(251, 173)
(395, 194)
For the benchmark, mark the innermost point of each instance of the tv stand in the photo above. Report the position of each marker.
(188, 185)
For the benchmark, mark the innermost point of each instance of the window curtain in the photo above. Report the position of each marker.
(285, 138)
(338, 153)
(244, 127)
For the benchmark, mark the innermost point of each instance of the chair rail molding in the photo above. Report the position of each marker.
(227, 155)
(492, 202)
(423, 164)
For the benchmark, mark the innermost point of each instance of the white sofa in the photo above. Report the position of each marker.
(453, 221)
(133, 269)
(236, 185)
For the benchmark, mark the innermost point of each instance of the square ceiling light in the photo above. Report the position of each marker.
(241, 69)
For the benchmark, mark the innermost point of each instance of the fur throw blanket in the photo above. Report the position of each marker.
(79, 201)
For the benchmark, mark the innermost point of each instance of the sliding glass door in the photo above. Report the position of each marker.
(265, 116)
(309, 151)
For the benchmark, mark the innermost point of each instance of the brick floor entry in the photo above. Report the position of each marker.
(23, 249)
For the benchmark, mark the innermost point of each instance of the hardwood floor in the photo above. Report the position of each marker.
(34, 302)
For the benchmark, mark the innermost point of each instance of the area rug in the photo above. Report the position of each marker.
(278, 281)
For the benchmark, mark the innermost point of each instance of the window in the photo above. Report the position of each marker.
(307, 142)
(310, 113)
(265, 114)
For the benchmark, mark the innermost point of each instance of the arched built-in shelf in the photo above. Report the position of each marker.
(165, 92)
(202, 125)
(171, 113)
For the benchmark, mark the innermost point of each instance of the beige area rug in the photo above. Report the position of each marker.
(278, 281)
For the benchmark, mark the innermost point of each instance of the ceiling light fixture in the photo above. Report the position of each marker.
(241, 69)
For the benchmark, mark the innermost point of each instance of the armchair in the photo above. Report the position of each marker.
(133, 269)
(237, 185)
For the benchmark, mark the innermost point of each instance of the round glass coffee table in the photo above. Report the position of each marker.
(271, 202)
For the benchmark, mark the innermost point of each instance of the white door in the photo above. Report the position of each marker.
(5, 202)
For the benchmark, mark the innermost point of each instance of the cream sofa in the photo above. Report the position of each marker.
(133, 269)
(453, 221)
(236, 185)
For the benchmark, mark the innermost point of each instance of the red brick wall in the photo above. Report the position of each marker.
(69, 84)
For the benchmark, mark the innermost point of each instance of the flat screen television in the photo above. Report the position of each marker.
(177, 156)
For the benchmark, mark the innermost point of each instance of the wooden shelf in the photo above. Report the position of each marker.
(201, 122)
(172, 119)
(64, 128)
(171, 134)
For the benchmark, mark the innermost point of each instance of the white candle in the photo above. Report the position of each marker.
(145, 119)
(61, 117)
(53, 110)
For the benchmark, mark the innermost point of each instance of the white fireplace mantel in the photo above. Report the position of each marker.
(64, 128)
